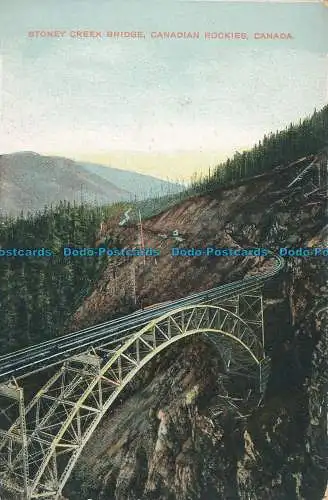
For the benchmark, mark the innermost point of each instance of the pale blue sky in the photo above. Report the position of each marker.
(95, 95)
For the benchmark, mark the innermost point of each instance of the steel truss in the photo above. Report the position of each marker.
(39, 450)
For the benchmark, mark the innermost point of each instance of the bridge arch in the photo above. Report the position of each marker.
(64, 413)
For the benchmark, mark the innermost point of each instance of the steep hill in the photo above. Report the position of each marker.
(160, 443)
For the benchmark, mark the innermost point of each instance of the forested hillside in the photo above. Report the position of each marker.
(38, 295)
(280, 148)
(276, 149)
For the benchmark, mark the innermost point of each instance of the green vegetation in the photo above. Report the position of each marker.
(281, 148)
(277, 149)
(38, 295)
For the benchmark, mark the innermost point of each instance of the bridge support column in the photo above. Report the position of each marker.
(13, 441)
(264, 373)
(250, 309)
(262, 326)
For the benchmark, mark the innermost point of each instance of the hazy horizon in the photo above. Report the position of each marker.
(146, 163)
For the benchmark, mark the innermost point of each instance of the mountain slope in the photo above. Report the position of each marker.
(157, 442)
(139, 184)
(29, 181)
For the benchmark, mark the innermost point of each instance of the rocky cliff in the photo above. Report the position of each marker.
(166, 438)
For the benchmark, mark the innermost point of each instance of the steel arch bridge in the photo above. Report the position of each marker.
(44, 438)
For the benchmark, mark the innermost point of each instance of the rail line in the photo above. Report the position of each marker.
(43, 438)
(57, 350)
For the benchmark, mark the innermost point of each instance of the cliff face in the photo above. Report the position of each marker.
(166, 438)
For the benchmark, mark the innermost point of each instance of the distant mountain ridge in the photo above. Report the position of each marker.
(141, 184)
(29, 181)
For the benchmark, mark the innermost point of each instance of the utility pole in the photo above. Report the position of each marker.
(134, 287)
(142, 243)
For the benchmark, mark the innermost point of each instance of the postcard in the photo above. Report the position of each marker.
(163, 250)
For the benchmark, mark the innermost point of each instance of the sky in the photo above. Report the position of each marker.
(158, 106)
